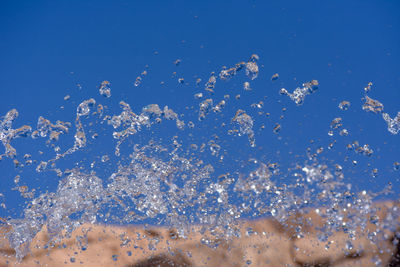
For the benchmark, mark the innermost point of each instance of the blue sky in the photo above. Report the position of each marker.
(47, 48)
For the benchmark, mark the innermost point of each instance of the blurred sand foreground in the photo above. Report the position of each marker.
(263, 242)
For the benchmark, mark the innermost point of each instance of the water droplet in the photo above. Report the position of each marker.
(210, 84)
(246, 86)
(105, 158)
(205, 107)
(245, 123)
(336, 123)
(198, 95)
(396, 166)
(344, 105)
(105, 89)
(344, 132)
(372, 105)
(275, 77)
(393, 124)
(300, 93)
(368, 87)
(277, 128)
(138, 81)
(177, 62)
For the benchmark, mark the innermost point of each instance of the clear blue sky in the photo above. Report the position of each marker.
(48, 47)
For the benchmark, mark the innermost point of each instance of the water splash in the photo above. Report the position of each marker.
(300, 93)
(372, 105)
(105, 89)
(173, 181)
(393, 124)
(7, 133)
(245, 123)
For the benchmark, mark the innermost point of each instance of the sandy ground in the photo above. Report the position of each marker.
(263, 242)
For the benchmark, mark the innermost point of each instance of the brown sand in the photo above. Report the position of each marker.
(269, 244)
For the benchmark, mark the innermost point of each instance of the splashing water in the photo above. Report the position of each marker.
(105, 89)
(372, 105)
(192, 177)
(393, 124)
(300, 93)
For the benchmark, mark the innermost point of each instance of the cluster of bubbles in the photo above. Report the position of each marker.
(174, 185)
